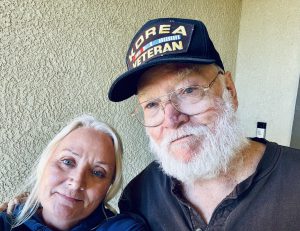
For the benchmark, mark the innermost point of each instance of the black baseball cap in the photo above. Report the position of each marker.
(159, 41)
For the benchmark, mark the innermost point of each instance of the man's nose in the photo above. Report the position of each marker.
(173, 118)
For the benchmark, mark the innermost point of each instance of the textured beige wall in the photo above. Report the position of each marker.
(268, 66)
(58, 59)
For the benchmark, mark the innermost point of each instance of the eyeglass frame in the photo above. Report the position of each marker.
(205, 89)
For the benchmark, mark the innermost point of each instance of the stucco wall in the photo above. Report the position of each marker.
(58, 59)
(268, 66)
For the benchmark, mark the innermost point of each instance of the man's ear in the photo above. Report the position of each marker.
(231, 88)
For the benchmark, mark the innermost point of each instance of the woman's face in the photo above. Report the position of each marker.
(77, 177)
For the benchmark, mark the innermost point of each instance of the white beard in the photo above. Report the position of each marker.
(217, 147)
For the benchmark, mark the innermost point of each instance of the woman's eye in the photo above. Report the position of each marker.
(68, 162)
(99, 174)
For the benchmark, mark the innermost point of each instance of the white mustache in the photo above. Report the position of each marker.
(187, 130)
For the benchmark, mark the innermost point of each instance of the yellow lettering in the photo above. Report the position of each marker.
(164, 29)
(143, 57)
(177, 45)
(137, 62)
(139, 42)
(150, 53)
(167, 47)
(180, 30)
(157, 50)
(151, 31)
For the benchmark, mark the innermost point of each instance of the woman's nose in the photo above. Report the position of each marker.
(77, 180)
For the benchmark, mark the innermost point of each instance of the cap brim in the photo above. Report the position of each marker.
(126, 84)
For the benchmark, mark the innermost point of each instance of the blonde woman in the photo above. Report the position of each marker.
(76, 176)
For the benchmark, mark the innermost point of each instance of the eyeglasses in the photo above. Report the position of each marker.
(151, 113)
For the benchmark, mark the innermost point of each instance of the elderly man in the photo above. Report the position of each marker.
(206, 176)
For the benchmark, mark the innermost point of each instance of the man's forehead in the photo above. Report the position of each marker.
(174, 72)
(163, 78)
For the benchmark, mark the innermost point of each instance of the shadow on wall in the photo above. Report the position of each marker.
(295, 139)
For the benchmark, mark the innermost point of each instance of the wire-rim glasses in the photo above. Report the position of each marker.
(186, 100)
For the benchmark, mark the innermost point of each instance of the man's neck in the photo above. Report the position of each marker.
(205, 194)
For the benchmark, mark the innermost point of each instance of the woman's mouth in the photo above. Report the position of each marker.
(72, 199)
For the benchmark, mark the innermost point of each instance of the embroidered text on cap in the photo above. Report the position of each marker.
(159, 40)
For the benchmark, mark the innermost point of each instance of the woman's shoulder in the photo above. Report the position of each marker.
(5, 221)
(124, 222)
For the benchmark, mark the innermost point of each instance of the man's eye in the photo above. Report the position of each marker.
(151, 105)
(68, 162)
(189, 91)
(99, 174)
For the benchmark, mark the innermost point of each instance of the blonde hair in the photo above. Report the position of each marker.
(32, 203)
